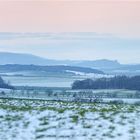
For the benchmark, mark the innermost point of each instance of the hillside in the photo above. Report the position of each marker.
(50, 69)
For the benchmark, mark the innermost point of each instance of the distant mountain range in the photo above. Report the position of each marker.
(108, 66)
(27, 59)
(23, 59)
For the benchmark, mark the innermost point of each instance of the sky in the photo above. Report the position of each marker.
(68, 29)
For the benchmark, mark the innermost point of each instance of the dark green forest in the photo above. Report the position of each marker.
(3, 84)
(117, 82)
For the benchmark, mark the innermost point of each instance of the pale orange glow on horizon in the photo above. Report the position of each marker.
(119, 18)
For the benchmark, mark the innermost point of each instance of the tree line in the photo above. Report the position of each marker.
(3, 84)
(117, 82)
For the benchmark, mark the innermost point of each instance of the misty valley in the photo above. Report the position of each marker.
(69, 69)
(80, 100)
(67, 102)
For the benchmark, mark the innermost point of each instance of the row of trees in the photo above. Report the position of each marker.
(5, 85)
(117, 82)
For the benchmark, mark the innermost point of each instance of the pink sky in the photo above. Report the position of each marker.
(119, 18)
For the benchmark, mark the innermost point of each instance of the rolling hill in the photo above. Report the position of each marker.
(107, 66)
(49, 69)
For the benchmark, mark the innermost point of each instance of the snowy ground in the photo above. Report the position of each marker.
(48, 120)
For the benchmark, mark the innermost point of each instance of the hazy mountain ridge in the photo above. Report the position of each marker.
(26, 59)
(21, 58)
(109, 66)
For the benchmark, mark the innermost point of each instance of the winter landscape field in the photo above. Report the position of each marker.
(42, 105)
(49, 120)
(69, 69)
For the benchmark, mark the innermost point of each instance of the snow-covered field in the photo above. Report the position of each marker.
(48, 120)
